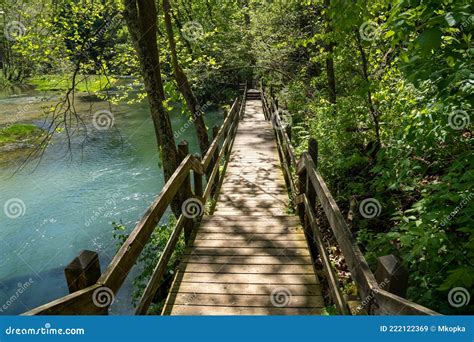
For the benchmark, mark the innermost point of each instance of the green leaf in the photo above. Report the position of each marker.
(429, 39)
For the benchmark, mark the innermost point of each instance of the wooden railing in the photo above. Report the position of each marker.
(307, 190)
(92, 292)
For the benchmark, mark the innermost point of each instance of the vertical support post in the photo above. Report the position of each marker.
(288, 132)
(302, 177)
(310, 191)
(186, 192)
(215, 132)
(83, 271)
(313, 150)
(391, 275)
(198, 184)
(313, 153)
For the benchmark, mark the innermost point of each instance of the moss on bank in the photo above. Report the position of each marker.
(19, 133)
(92, 83)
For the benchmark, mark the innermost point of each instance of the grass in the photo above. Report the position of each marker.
(19, 132)
(90, 83)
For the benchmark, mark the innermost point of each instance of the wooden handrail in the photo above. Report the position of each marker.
(84, 301)
(77, 303)
(355, 260)
(129, 252)
(380, 301)
(336, 294)
(214, 145)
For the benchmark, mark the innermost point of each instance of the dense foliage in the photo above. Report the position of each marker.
(399, 132)
(386, 87)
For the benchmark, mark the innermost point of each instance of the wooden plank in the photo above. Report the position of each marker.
(283, 219)
(293, 252)
(260, 178)
(230, 300)
(237, 212)
(250, 244)
(280, 268)
(254, 229)
(236, 278)
(252, 236)
(253, 189)
(246, 289)
(255, 199)
(262, 202)
(188, 310)
(247, 260)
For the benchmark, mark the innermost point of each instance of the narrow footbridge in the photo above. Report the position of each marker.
(249, 257)
(250, 234)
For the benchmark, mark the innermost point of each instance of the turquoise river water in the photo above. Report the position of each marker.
(67, 203)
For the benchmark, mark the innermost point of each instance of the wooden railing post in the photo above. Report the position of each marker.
(215, 132)
(313, 153)
(230, 132)
(83, 271)
(311, 192)
(391, 276)
(288, 132)
(301, 186)
(198, 184)
(313, 150)
(186, 192)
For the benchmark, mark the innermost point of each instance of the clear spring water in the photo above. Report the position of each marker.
(69, 204)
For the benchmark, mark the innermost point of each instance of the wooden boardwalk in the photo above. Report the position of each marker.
(249, 257)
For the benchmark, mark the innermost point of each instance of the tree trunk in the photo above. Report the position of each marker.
(183, 84)
(141, 21)
(329, 59)
(365, 73)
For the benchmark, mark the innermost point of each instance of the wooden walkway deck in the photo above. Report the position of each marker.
(249, 258)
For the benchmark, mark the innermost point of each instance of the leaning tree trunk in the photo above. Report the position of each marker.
(365, 73)
(183, 84)
(141, 21)
(329, 47)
